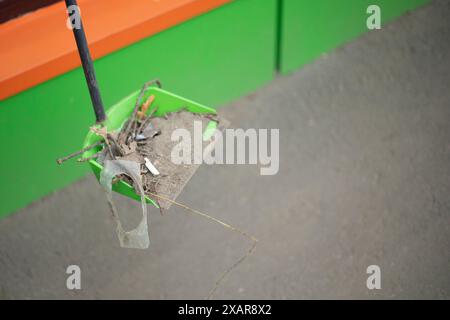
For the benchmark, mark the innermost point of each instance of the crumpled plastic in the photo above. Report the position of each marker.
(137, 238)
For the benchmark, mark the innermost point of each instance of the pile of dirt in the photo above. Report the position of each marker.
(154, 142)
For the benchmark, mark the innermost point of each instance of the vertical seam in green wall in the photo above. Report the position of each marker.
(278, 35)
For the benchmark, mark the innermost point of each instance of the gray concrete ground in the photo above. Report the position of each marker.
(364, 179)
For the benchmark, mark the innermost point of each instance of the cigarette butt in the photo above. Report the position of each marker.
(151, 167)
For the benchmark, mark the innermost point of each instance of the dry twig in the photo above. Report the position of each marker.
(73, 155)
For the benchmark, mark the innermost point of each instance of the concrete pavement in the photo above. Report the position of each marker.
(364, 179)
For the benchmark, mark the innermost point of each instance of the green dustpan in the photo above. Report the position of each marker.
(117, 115)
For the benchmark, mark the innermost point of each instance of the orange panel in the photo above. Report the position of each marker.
(38, 46)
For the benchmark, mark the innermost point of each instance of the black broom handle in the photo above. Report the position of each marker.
(88, 67)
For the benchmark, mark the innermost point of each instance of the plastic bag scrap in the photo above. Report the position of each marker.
(137, 238)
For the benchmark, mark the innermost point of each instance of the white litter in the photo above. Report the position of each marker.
(151, 167)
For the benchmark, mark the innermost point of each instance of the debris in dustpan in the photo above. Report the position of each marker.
(134, 133)
(148, 141)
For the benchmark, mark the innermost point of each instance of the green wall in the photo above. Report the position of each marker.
(311, 27)
(213, 59)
